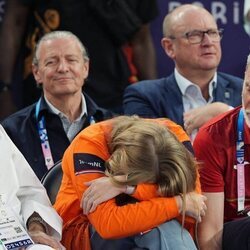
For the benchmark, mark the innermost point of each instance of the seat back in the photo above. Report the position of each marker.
(52, 180)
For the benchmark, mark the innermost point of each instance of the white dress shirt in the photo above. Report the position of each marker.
(70, 128)
(191, 94)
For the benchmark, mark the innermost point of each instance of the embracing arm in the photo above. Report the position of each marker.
(110, 220)
(195, 118)
(102, 189)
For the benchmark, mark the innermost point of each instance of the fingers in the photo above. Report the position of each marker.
(196, 206)
(85, 194)
(88, 204)
(88, 183)
(90, 200)
(93, 205)
(89, 192)
(202, 209)
(43, 238)
(189, 121)
(188, 125)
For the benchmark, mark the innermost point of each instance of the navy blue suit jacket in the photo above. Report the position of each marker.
(163, 98)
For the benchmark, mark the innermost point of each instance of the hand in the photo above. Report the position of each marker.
(195, 118)
(195, 205)
(99, 190)
(40, 237)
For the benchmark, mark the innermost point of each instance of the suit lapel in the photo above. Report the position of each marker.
(174, 104)
(222, 92)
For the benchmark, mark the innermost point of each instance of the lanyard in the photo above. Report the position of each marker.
(240, 162)
(42, 131)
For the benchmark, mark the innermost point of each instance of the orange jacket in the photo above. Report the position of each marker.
(110, 220)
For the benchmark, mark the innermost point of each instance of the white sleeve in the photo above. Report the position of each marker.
(29, 191)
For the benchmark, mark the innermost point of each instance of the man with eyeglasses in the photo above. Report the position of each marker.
(195, 92)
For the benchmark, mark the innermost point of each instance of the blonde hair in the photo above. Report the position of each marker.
(148, 152)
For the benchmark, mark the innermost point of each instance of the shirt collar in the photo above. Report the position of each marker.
(184, 83)
(56, 111)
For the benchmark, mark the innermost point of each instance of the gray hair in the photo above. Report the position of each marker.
(57, 35)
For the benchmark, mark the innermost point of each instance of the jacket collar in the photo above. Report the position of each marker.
(91, 106)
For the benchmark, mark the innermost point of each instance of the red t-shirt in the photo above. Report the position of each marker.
(215, 148)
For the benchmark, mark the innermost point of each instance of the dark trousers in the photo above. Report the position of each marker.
(236, 235)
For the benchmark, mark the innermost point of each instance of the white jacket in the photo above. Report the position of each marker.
(21, 189)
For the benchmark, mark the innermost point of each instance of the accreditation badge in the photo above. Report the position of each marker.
(12, 233)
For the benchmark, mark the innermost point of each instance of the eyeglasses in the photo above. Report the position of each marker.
(197, 36)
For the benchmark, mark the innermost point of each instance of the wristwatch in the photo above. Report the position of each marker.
(4, 86)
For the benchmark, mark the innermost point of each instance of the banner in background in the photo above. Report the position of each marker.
(229, 15)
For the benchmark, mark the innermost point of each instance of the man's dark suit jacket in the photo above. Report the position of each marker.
(22, 129)
(163, 98)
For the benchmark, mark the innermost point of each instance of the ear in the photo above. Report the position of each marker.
(36, 74)
(86, 69)
(168, 46)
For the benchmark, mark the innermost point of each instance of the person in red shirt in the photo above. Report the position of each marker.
(222, 146)
(152, 159)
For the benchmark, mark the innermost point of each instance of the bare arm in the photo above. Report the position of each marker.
(144, 53)
(195, 118)
(210, 229)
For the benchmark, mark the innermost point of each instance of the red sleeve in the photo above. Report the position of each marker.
(208, 154)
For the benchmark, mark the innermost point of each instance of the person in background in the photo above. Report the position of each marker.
(45, 129)
(23, 196)
(195, 92)
(222, 148)
(163, 181)
(119, 43)
(2, 3)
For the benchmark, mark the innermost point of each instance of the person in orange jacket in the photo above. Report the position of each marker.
(141, 158)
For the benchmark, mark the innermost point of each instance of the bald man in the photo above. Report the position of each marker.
(195, 92)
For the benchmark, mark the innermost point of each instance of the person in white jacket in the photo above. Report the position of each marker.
(23, 197)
